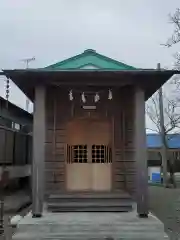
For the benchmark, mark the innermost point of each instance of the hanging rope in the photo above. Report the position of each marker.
(89, 92)
(97, 94)
(7, 93)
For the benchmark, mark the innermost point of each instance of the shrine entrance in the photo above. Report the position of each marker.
(89, 155)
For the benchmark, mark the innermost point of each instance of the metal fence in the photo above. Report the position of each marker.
(15, 147)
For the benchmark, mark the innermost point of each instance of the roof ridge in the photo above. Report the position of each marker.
(89, 52)
(115, 61)
(64, 61)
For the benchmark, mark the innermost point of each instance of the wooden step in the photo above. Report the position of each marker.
(90, 202)
(78, 207)
(93, 200)
(87, 195)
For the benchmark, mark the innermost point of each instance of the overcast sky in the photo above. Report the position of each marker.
(130, 31)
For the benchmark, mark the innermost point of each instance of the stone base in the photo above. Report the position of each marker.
(88, 226)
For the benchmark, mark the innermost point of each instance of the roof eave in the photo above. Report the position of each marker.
(22, 77)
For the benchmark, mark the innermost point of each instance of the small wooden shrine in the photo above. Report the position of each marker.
(89, 127)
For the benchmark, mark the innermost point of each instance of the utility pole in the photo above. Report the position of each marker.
(162, 133)
(27, 61)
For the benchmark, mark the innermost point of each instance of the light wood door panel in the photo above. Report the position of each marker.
(88, 176)
(101, 177)
(79, 176)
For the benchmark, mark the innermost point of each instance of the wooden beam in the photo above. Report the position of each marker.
(141, 154)
(38, 151)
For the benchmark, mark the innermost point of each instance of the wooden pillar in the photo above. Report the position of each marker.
(141, 154)
(38, 151)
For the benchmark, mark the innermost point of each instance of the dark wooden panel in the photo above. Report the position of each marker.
(130, 177)
(130, 170)
(124, 165)
(130, 185)
(58, 134)
(56, 114)
(29, 149)
(54, 176)
(119, 185)
(6, 146)
(56, 171)
(60, 110)
(59, 148)
(20, 149)
(10, 146)
(2, 145)
(129, 155)
(54, 165)
(61, 138)
(55, 157)
(51, 188)
(126, 156)
(49, 136)
(129, 165)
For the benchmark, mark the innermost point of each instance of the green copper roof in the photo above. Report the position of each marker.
(87, 60)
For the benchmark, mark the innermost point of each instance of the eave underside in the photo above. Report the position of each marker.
(149, 80)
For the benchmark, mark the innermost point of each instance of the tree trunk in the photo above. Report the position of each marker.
(164, 159)
(172, 180)
(162, 134)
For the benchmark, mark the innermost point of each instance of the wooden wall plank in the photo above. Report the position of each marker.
(55, 143)
(120, 109)
(124, 162)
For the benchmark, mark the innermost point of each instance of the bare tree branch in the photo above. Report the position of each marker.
(175, 20)
(177, 61)
(171, 113)
(152, 117)
(152, 111)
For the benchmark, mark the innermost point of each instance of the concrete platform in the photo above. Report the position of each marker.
(88, 226)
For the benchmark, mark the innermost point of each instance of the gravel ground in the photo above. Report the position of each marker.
(8, 232)
(163, 202)
(12, 206)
